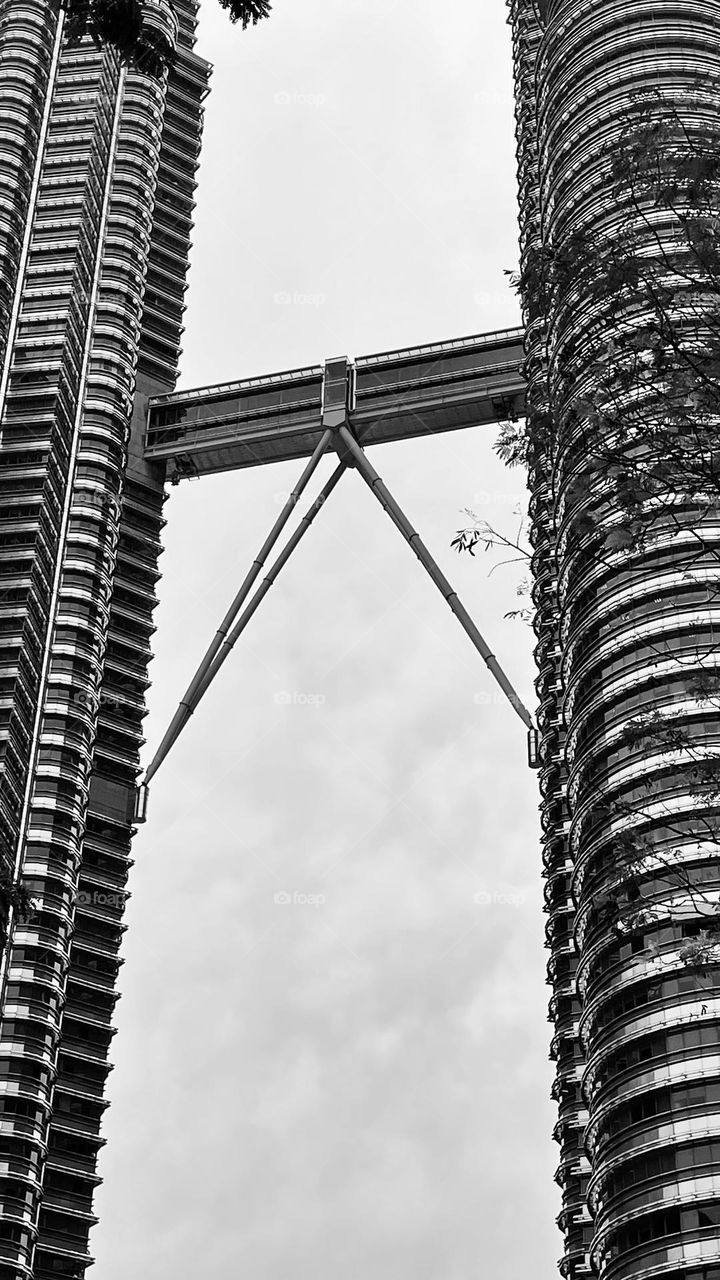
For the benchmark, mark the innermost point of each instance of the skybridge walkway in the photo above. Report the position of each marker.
(341, 407)
(393, 395)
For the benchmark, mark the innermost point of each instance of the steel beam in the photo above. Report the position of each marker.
(392, 395)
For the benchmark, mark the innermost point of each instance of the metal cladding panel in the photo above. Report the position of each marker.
(382, 418)
(234, 425)
(399, 395)
(114, 800)
(245, 449)
(460, 357)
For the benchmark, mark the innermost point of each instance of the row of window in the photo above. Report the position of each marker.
(667, 1101)
(659, 1045)
(656, 1164)
(644, 993)
(665, 1222)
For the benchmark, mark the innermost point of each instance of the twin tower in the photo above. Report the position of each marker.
(97, 165)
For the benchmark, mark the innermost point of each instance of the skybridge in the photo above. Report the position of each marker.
(393, 395)
(341, 407)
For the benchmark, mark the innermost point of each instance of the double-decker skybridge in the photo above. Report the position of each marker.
(343, 405)
(394, 395)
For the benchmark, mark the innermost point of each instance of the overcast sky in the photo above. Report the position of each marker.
(353, 1085)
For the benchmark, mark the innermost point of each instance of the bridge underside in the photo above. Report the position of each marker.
(393, 395)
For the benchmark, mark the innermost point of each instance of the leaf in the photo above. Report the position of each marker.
(246, 11)
(619, 540)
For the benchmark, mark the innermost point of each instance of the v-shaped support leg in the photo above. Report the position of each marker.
(225, 638)
(351, 455)
(413, 539)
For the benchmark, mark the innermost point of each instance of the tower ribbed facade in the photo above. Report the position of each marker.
(97, 179)
(622, 634)
(572, 1173)
(97, 175)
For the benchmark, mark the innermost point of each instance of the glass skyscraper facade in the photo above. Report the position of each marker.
(621, 634)
(97, 174)
(97, 179)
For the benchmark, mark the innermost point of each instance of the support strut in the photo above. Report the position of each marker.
(231, 640)
(413, 539)
(351, 455)
(190, 698)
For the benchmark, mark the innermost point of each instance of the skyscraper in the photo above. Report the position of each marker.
(97, 168)
(622, 633)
